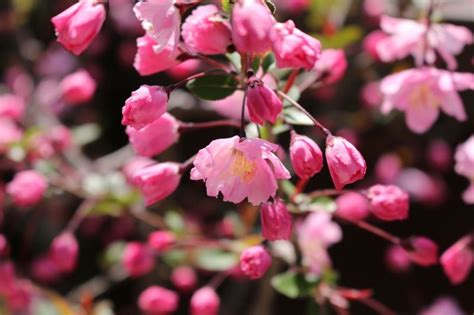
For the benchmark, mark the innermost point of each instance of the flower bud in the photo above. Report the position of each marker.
(156, 300)
(205, 301)
(331, 66)
(12, 106)
(137, 259)
(60, 138)
(263, 103)
(306, 156)
(27, 188)
(161, 240)
(293, 48)
(134, 165)
(252, 22)
(276, 221)
(3, 246)
(147, 61)
(352, 206)
(346, 164)
(156, 182)
(64, 251)
(78, 87)
(421, 250)
(255, 261)
(388, 202)
(457, 260)
(77, 26)
(206, 32)
(397, 259)
(146, 105)
(45, 270)
(184, 278)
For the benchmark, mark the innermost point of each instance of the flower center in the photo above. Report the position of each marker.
(423, 96)
(243, 167)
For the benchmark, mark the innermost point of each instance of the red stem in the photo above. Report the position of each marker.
(291, 80)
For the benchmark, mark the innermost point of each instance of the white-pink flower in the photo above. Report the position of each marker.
(465, 166)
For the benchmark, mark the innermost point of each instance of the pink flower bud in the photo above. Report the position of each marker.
(156, 300)
(9, 133)
(45, 270)
(137, 259)
(306, 156)
(64, 251)
(352, 206)
(388, 168)
(331, 66)
(156, 182)
(12, 106)
(146, 105)
(60, 137)
(147, 61)
(276, 221)
(397, 259)
(421, 250)
(156, 137)
(263, 103)
(184, 278)
(371, 41)
(77, 26)
(252, 22)
(346, 164)
(457, 260)
(3, 246)
(255, 261)
(293, 48)
(439, 155)
(161, 240)
(78, 87)
(206, 32)
(205, 301)
(389, 202)
(133, 166)
(27, 188)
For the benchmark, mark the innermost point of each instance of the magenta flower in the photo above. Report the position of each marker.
(160, 241)
(27, 188)
(388, 202)
(64, 251)
(184, 278)
(421, 250)
(306, 156)
(422, 92)
(352, 206)
(255, 261)
(331, 66)
(205, 301)
(457, 260)
(156, 300)
(147, 61)
(144, 106)
(263, 103)
(276, 221)
(137, 259)
(78, 87)
(239, 169)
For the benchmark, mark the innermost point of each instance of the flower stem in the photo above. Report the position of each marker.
(291, 80)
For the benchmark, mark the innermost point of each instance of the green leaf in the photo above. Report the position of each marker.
(234, 58)
(216, 260)
(113, 254)
(345, 37)
(293, 116)
(174, 257)
(107, 207)
(86, 133)
(325, 203)
(256, 64)
(226, 6)
(268, 61)
(294, 285)
(213, 87)
(174, 220)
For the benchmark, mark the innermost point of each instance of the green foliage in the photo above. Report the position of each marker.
(216, 260)
(213, 87)
(294, 285)
(345, 37)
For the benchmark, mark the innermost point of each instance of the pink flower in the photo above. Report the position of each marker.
(184, 69)
(133, 166)
(161, 240)
(60, 138)
(443, 306)
(184, 278)
(64, 251)
(421, 250)
(464, 157)
(389, 202)
(9, 133)
(205, 301)
(146, 105)
(156, 300)
(371, 95)
(255, 261)
(252, 22)
(78, 87)
(239, 169)
(331, 66)
(388, 168)
(206, 32)
(161, 20)
(27, 188)
(306, 156)
(137, 260)
(421, 186)
(439, 154)
(457, 260)
(397, 259)
(421, 92)
(293, 48)
(371, 41)
(147, 61)
(156, 182)
(77, 26)
(468, 194)
(263, 103)
(4, 249)
(155, 137)
(12, 106)
(276, 221)
(45, 270)
(352, 206)
(346, 164)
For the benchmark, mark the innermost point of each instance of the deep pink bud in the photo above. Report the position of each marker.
(137, 259)
(156, 182)
(457, 260)
(276, 221)
(134, 165)
(64, 251)
(3, 246)
(421, 250)
(206, 32)
(306, 156)
(184, 278)
(161, 240)
(252, 22)
(346, 164)
(205, 301)
(263, 103)
(156, 137)
(78, 87)
(157, 300)
(388, 202)
(77, 26)
(27, 188)
(293, 48)
(12, 106)
(45, 270)
(352, 206)
(331, 66)
(397, 259)
(255, 261)
(146, 105)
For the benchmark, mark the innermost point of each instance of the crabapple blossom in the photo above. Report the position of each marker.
(331, 66)
(457, 260)
(148, 61)
(9, 133)
(137, 259)
(388, 202)
(306, 156)
(442, 305)
(388, 168)
(205, 301)
(144, 106)
(464, 166)
(156, 300)
(371, 41)
(421, 250)
(439, 154)
(352, 206)
(64, 251)
(161, 240)
(263, 103)
(45, 270)
(397, 259)
(27, 188)
(78, 87)
(133, 166)
(12, 106)
(184, 278)
(276, 221)
(255, 261)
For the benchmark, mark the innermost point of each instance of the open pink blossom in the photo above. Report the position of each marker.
(147, 61)
(77, 26)
(422, 92)
(239, 169)
(144, 106)
(161, 20)
(457, 260)
(78, 87)
(11, 106)
(331, 66)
